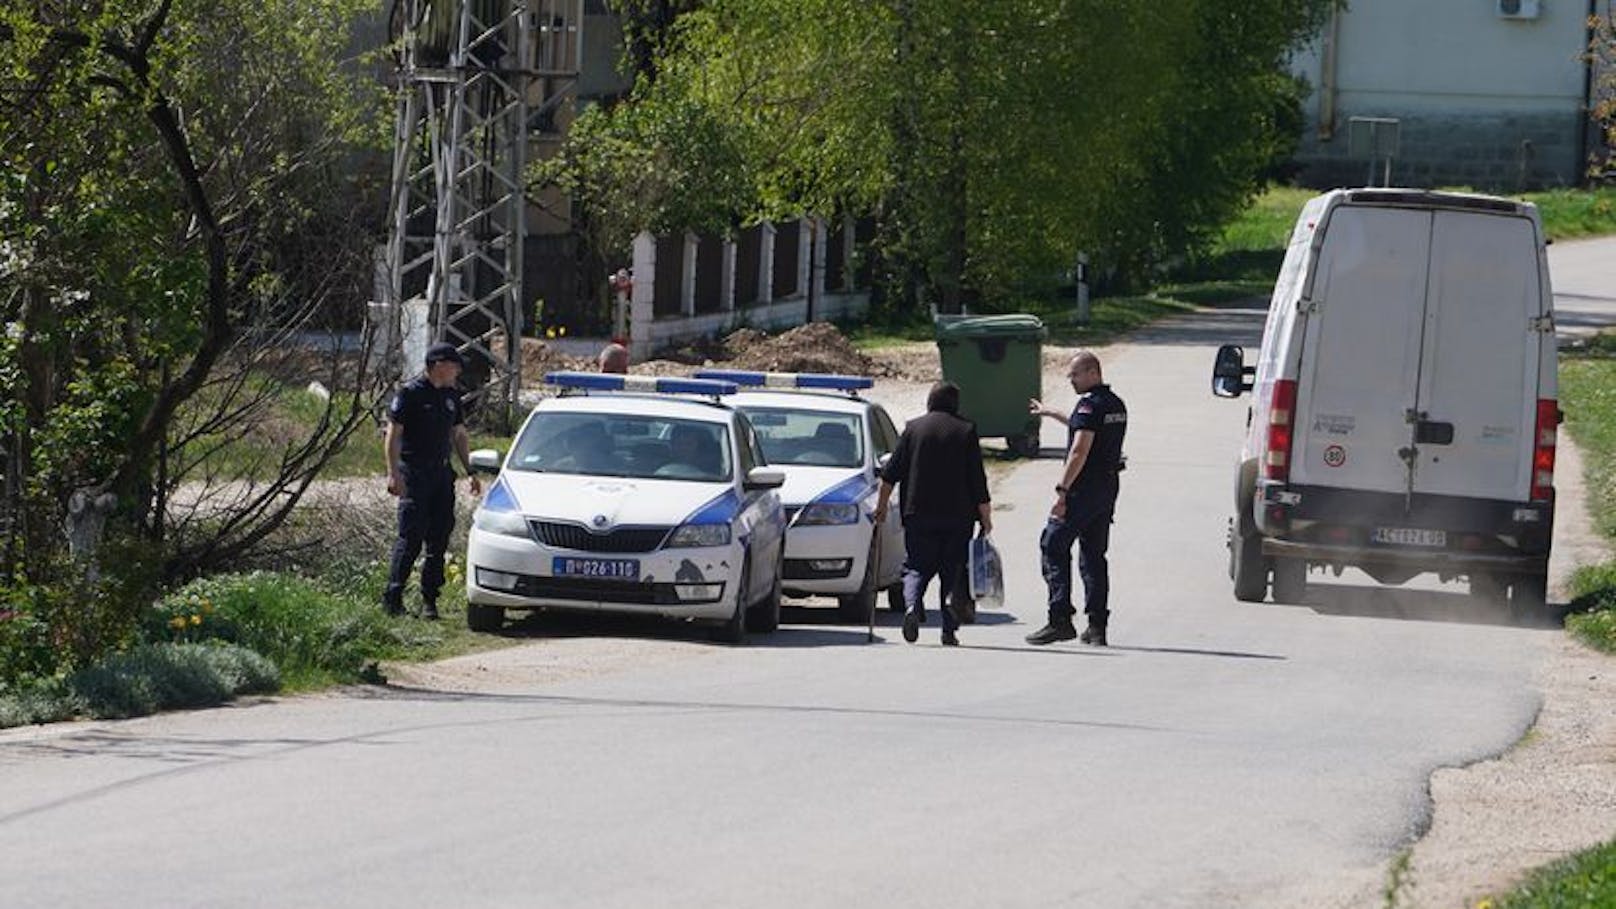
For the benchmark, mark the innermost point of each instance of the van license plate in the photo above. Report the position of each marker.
(1409, 536)
(613, 569)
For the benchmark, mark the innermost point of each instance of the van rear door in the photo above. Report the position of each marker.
(1479, 359)
(1360, 356)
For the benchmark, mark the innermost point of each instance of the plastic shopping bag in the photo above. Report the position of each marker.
(987, 574)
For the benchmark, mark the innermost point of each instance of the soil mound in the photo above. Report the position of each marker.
(815, 347)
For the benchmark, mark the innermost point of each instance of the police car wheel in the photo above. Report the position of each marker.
(487, 619)
(856, 607)
(733, 629)
(895, 597)
(764, 616)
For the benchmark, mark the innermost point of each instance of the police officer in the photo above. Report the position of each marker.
(1085, 499)
(424, 423)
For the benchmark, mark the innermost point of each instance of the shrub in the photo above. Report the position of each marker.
(1593, 606)
(313, 634)
(156, 677)
(36, 701)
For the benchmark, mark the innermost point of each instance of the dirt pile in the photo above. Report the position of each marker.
(815, 347)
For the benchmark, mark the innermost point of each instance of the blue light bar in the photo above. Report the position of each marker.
(602, 381)
(788, 379)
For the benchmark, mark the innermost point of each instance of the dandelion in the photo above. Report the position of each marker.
(562, 331)
(196, 620)
(177, 623)
(549, 333)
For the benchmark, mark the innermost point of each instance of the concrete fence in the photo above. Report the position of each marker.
(769, 276)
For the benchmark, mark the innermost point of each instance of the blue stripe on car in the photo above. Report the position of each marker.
(721, 510)
(850, 491)
(500, 498)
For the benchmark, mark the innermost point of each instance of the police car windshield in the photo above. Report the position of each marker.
(807, 437)
(623, 445)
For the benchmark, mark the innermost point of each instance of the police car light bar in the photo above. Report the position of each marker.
(599, 381)
(788, 379)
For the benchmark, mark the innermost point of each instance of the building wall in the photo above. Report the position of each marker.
(1482, 100)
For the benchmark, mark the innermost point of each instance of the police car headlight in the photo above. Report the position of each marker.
(508, 523)
(699, 535)
(825, 513)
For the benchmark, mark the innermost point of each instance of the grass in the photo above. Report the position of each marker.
(1588, 396)
(1582, 880)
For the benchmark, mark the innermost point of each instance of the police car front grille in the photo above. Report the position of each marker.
(582, 539)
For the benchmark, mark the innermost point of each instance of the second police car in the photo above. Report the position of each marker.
(831, 444)
(646, 502)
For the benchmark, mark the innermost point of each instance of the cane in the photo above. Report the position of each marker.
(875, 574)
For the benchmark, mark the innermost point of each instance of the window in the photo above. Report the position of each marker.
(621, 445)
(808, 437)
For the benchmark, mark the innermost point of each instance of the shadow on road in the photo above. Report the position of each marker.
(1423, 606)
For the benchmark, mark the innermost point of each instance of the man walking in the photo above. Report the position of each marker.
(1085, 499)
(938, 461)
(424, 423)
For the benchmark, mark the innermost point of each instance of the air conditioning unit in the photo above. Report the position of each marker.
(1519, 9)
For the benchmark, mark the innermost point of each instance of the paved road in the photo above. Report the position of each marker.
(1584, 288)
(1220, 754)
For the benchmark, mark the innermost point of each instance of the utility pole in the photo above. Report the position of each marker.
(471, 75)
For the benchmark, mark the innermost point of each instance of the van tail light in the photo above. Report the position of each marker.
(1281, 423)
(1543, 437)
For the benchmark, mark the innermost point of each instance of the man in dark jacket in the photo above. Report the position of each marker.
(1085, 500)
(938, 461)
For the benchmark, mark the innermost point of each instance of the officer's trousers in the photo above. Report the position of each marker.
(934, 547)
(425, 518)
(1090, 529)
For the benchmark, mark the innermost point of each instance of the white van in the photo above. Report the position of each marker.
(1405, 400)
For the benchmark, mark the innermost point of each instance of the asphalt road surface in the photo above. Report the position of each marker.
(1218, 754)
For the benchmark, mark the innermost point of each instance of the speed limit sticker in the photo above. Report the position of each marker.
(1335, 456)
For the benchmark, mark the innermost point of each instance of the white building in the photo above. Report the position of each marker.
(1486, 93)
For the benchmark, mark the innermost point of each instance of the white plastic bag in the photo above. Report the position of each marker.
(987, 574)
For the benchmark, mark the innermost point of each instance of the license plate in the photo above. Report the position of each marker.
(613, 569)
(1409, 536)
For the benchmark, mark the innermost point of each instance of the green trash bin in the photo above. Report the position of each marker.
(997, 362)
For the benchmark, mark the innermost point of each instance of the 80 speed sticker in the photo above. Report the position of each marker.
(1335, 456)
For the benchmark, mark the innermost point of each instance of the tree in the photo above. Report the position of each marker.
(173, 209)
(1602, 57)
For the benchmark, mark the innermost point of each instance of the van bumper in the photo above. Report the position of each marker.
(1439, 560)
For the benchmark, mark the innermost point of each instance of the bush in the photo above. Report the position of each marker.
(34, 701)
(157, 677)
(314, 635)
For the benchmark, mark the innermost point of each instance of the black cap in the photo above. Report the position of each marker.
(442, 352)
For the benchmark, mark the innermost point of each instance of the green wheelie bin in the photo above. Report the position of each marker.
(997, 362)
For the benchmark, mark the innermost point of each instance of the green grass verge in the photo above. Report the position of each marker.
(141, 681)
(1583, 880)
(1588, 396)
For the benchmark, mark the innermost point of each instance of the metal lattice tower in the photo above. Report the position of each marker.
(471, 74)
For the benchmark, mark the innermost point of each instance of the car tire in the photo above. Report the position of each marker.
(733, 629)
(484, 619)
(895, 597)
(764, 616)
(856, 608)
(1290, 580)
(1529, 599)
(1488, 587)
(1247, 568)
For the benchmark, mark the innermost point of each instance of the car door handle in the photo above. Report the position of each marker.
(1433, 432)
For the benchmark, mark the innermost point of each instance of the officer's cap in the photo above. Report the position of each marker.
(444, 352)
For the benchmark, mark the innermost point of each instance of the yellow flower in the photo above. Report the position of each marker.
(562, 331)
(177, 623)
(196, 620)
(549, 332)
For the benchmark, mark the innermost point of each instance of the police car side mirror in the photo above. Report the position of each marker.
(881, 462)
(485, 460)
(1229, 372)
(759, 478)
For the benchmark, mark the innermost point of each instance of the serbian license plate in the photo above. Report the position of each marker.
(1409, 536)
(612, 569)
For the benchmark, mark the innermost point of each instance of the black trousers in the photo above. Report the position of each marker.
(425, 519)
(934, 548)
(1090, 529)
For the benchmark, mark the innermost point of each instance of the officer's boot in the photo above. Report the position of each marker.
(1056, 630)
(1094, 635)
(429, 610)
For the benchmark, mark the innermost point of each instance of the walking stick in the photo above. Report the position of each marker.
(875, 553)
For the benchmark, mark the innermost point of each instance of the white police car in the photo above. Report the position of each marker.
(634, 503)
(830, 443)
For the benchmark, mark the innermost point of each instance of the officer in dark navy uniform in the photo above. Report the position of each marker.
(424, 425)
(1085, 499)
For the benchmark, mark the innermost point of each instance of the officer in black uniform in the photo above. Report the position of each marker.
(1085, 499)
(424, 424)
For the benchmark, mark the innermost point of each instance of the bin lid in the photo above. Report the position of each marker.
(1008, 325)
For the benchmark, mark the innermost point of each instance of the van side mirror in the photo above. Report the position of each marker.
(485, 460)
(1230, 374)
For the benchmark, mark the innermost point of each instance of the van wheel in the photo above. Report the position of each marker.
(1246, 568)
(485, 619)
(1290, 580)
(1529, 598)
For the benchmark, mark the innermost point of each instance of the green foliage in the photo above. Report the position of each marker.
(316, 636)
(36, 701)
(1583, 880)
(1571, 213)
(155, 677)
(1588, 397)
